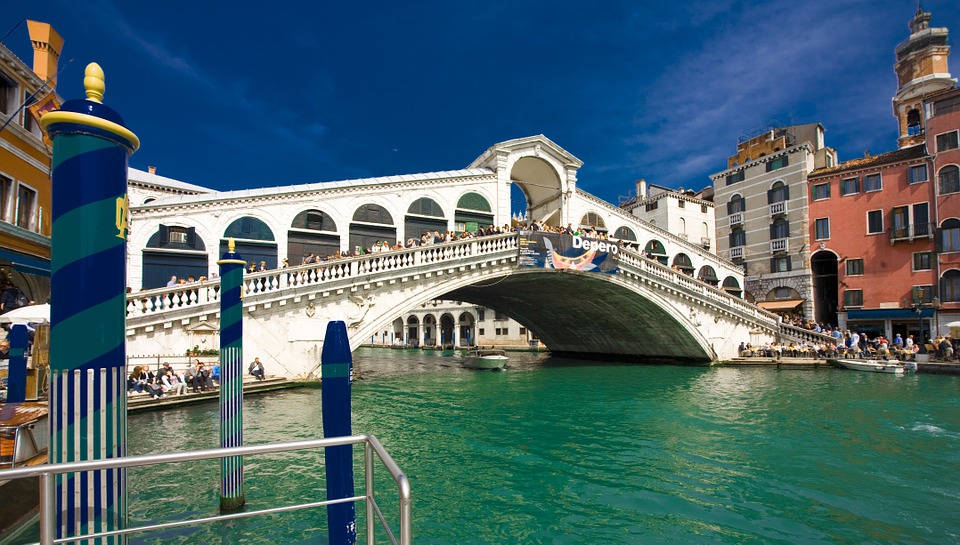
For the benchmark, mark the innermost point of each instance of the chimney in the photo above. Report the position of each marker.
(152, 170)
(641, 189)
(46, 51)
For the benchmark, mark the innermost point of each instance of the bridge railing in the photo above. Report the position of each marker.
(800, 334)
(373, 450)
(166, 299)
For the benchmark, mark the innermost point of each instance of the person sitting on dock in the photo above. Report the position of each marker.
(171, 383)
(256, 369)
(134, 382)
(195, 377)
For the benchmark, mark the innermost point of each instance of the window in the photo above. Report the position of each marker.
(922, 261)
(855, 267)
(921, 219)
(947, 141)
(703, 209)
(480, 317)
(950, 179)
(853, 298)
(780, 229)
(682, 203)
(780, 264)
(652, 205)
(6, 187)
(176, 235)
(947, 105)
(923, 293)
(481, 331)
(497, 315)
(738, 237)
(777, 164)
(735, 177)
(917, 174)
(26, 204)
(871, 182)
(850, 186)
(950, 236)
(913, 123)
(778, 193)
(874, 222)
(823, 228)
(901, 222)
(523, 331)
(821, 191)
(950, 286)
(735, 205)
(8, 96)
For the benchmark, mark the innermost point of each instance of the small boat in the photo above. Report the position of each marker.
(24, 437)
(879, 366)
(485, 358)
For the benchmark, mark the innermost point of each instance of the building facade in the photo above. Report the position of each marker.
(25, 163)
(762, 202)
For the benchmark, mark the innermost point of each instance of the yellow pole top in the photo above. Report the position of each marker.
(231, 245)
(93, 82)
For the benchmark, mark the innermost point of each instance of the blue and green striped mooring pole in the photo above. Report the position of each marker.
(88, 402)
(231, 376)
(19, 338)
(335, 363)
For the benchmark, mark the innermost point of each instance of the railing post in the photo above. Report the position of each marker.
(48, 508)
(368, 472)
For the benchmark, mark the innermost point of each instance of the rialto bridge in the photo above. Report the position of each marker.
(646, 309)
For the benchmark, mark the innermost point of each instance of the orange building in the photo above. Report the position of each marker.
(943, 141)
(25, 163)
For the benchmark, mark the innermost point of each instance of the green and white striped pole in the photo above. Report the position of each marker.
(88, 402)
(231, 376)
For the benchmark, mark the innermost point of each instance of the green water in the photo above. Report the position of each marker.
(553, 452)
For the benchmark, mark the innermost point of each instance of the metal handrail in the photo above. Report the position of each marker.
(47, 474)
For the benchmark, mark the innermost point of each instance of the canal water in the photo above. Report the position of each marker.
(560, 452)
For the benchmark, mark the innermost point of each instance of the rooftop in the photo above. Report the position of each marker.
(898, 156)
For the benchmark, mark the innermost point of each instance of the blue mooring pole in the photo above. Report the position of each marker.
(88, 284)
(231, 376)
(335, 364)
(17, 373)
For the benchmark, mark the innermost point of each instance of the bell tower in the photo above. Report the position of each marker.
(921, 69)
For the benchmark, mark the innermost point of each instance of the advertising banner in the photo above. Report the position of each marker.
(544, 250)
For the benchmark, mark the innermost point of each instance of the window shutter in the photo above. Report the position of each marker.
(786, 160)
(729, 207)
(164, 236)
(769, 196)
(939, 240)
(786, 192)
(773, 231)
(192, 237)
(789, 263)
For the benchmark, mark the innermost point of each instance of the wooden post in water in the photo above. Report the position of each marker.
(231, 376)
(335, 363)
(88, 273)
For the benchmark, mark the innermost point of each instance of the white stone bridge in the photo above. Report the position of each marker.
(647, 309)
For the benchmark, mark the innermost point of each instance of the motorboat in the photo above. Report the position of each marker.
(485, 358)
(879, 366)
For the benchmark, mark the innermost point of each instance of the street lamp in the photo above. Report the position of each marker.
(918, 305)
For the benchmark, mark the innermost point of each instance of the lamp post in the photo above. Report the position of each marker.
(918, 305)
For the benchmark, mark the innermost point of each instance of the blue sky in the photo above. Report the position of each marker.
(244, 95)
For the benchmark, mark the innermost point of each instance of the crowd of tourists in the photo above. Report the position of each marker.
(167, 381)
(853, 344)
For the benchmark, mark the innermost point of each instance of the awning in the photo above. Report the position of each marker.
(888, 314)
(784, 304)
(26, 264)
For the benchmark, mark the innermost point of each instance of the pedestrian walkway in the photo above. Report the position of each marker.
(143, 402)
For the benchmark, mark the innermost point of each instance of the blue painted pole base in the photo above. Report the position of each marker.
(335, 363)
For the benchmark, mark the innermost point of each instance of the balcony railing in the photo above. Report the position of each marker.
(736, 218)
(912, 232)
(779, 245)
(736, 253)
(778, 208)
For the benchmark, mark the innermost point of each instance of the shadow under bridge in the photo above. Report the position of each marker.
(592, 316)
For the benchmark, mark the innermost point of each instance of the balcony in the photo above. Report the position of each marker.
(911, 232)
(736, 253)
(778, 208)
(779, 245)
(705, 242)
(736, 219)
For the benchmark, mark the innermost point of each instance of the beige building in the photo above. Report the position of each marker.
(763, 220)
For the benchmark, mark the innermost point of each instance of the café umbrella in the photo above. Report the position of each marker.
(37, 314)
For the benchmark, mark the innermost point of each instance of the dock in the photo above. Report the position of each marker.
(930, 368)
(143, 402)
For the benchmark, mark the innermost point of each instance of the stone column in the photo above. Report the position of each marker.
(88, 402)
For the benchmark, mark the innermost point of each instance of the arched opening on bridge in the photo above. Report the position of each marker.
(173, 251)
(423, 215)
(656, 250)
(732, 286)
(413, 332)
(592, 220)
(467, 329)
(447, 326)
(543, 188)
(682, 262)
(709, 275)
(473, 212)
(824, 265)
(371, 223)
(312, 233)
(396, 335)
(625, 234)
(429, 330)
(254, 241)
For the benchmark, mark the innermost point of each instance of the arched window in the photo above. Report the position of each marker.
(423, 215)
(592, 219)
(473, 211)
(949, 239)
(474, 201)
(682, 262)
(248, 228)
(735, 205)
(913, 122)
(655, 250)
(625, 233)
(732, 286)
(683, 227)
(950, 286)
(314, 220)
(778, 193)
(709, 275)
(780, 228)
(173, 251)
(373, 213)
(425, 207)
(950, 179)
(254, 241)
(311, 233)
(372, 223)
